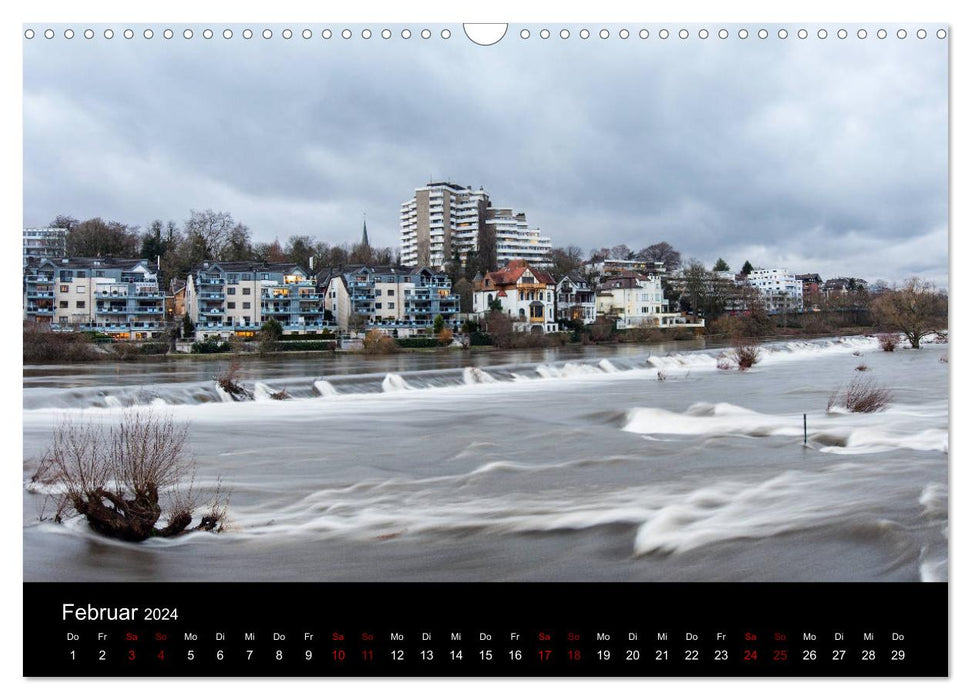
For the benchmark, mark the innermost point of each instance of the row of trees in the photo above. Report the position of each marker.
(206, 235)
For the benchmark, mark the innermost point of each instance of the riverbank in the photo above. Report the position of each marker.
(74, 348)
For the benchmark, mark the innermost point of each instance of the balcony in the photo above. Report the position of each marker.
(39, 278)
(156, 310)
(40, 310)
(211, 281)
(215, 296)
(40, 295)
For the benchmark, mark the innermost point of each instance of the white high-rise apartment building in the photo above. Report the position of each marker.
(515, 240)
(779, 288)
(47, 243)
(442, 220)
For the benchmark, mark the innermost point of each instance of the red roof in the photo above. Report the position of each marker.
(509, 274)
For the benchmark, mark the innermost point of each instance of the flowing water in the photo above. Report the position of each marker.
(604, 463)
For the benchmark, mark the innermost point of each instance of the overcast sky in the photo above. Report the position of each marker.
(824, 156)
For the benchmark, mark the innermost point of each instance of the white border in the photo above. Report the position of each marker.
(437, 11)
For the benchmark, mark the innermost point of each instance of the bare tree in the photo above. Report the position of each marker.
(116, 477)
(916, 310)
(662, 252)
(212, 229)
(97, 238)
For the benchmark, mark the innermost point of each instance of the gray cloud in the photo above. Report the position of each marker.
(826, 156)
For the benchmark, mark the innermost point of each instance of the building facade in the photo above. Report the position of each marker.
(50, 243)
(812, 285)
(524, 292)
(779, 288)
(445, 221)
(236, 298)
(575, 299)
(441, 221)
(119, 298)
(393, 298)
(637, 301)
(515, 240)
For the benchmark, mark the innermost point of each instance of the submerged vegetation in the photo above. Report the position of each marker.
(745, 355)
(125, 478)
(860, 396)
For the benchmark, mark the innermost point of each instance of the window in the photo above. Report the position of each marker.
(377, 292)
(80, 304)
(246, 290)
(231, 290)
(230, 304)
(62, 319)
(246, 305)
(80, 289)
(62, 304)
(390, 304)
(81, 274)
(65, 289)
(377, 305)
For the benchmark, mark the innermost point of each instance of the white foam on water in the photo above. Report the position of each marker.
(726, 511)
(932, 569)
(262, 392)
(547, 371)
(475, 375)
(871, 440)
(833, 432)
(934, 499)
(113, 402)
(710, 419)
(394, 382)
(608, 366)
(698, 361)
(325, 388)
(223, 395)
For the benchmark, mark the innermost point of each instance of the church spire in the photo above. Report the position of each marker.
(364, 240)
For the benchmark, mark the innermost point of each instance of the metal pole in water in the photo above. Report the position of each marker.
(805, 434)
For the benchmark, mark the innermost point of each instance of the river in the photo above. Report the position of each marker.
(613, 463)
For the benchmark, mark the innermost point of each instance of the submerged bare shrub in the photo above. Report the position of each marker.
(888, 341)
(661, 376)
(942, 359)
(745, 355)
(861, 396)
(281, 395)
(862, 368)
(724, 363)
(227, 381)
(117, 477)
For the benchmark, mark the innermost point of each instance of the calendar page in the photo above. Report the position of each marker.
(431, 349)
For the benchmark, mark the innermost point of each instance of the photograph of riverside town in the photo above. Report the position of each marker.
(565, 308)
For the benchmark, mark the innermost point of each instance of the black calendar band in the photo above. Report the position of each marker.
(485, 629)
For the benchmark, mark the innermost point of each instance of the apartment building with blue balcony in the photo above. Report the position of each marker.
(403, 300)
(117, 297)
(235, 298)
